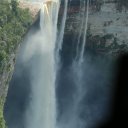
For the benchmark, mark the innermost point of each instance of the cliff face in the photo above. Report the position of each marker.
(107, 26)
(14, 23)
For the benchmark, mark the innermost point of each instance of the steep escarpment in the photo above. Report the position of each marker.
(14, 23)
(106, 34)
(107, 25)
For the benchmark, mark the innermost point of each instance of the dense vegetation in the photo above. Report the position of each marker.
(14, 23)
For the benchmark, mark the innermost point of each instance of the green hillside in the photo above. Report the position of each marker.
(14, 23)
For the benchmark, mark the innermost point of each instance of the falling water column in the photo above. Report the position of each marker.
(41, 112)
(77, 66)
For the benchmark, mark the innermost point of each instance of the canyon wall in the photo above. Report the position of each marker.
(107, 26)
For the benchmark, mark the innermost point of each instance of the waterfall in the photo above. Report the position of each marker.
(41, 112)
(85, 33)
(81, 13)
(62, 26)
(39, 62)
(77, 66)
(42, 107)
(59, 41)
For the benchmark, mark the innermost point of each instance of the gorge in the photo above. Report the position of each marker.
(75, 62)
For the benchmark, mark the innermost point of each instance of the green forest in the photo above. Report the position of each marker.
(14, 23)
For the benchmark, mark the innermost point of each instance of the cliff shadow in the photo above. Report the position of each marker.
(119, 103)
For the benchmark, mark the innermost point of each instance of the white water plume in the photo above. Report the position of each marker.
(85, 33)
(61, 32)
(40, 62)
(81, 28)
(39, 55)
(78, 63)
(59, 41)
